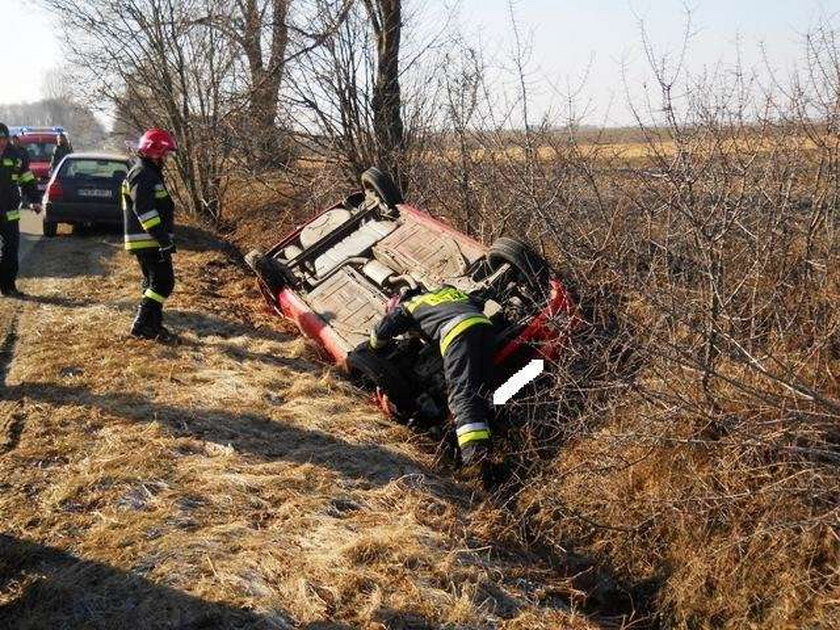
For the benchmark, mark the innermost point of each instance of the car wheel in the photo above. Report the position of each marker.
(271, 273)
(382, 186)
(530, 266)
(372, 371)
(50, 228)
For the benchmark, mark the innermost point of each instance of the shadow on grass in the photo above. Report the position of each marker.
(206, 325)
(45, 587)
(199, 239)
(71, 256)
(202, 324)
(57, 300)
(254, 434)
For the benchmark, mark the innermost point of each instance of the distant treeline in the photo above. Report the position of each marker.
(86, 133)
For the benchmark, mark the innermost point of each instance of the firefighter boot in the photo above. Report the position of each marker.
(163, 333)
(144, 326)
(12, 291)
(475, 459)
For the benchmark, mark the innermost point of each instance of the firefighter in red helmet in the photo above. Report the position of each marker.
(148, 217)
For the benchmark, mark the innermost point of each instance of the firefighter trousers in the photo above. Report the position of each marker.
(158, 277)
(468, 368)
(9, 247)
(158, 274)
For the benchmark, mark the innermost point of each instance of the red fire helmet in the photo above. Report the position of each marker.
(156, 143)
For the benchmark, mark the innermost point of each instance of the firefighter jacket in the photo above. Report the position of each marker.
(15, 178)
(441, 315)
(148, 210)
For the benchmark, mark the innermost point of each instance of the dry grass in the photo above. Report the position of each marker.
(230, 480)
(690, 446)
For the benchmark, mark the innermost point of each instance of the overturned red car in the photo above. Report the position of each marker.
(334, 275)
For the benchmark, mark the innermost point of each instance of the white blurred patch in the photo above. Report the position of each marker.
(509, 388)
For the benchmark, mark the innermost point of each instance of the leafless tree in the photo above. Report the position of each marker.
(268, 38)
(386, 20)
(698, 408)
(348, 96)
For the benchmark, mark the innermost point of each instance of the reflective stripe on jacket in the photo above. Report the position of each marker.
(148, 210)
(442, 315)
(15, 178)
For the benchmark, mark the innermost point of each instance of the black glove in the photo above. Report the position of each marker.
(166, 250)
(361, 348)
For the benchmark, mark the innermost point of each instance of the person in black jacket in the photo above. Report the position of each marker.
(149, 221)
(455, 321)
(15, 178)
(62, 148)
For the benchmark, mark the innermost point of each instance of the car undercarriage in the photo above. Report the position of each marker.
(335, 275)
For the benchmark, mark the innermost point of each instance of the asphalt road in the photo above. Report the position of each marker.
(31, 230)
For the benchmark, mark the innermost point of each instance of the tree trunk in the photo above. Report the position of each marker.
(386, 103)
(266, 77)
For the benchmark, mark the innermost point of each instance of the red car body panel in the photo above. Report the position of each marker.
(39, 167)
(311, 324)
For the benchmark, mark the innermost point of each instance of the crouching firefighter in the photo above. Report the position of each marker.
(148, 217)
(465, 336)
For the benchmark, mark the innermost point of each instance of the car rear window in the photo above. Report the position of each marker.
(93, 169)
(39, 151)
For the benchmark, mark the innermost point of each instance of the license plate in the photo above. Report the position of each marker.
(93, 192)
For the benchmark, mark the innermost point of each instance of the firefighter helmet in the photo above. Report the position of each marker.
(156, 143)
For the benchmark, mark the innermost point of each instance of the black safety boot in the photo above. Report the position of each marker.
(12, 292)
(163, 333)
(144, 326)
(475, 457)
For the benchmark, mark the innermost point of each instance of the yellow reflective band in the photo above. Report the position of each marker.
(14, 177)
(375, 342)
(27, 177)
(461, 327)
(13, 215)
(473, 436)
(447, 294)
(126, 192)
(141, 244)
(160, 194)
(8, 162)
(157, 297)
(150, 223)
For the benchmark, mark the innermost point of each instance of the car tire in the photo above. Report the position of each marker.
(371, 370)
(50, 228)
(270, 272)
(382, 186)
(532, 268)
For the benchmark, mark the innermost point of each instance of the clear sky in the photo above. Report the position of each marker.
(568, 38)
(594, 38)
(30, 50)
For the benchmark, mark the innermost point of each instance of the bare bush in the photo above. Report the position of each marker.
(209, 72)
(698, 410)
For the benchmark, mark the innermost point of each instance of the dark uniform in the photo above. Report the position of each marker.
(15, 178)
(450, 318)
(60, 151)
(149, 221)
